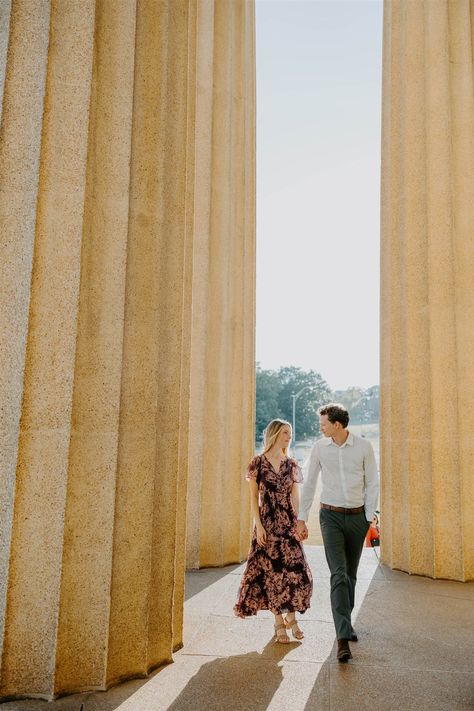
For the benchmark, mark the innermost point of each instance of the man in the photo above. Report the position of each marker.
(349, 498)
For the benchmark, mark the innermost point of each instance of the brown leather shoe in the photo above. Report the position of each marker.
(343, 651)
(354, 637)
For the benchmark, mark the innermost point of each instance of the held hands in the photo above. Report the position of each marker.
(301, 530)
(261, 535)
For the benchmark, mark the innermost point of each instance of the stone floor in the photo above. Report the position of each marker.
(415, 652)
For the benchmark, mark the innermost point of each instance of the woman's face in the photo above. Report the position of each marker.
(284, 437)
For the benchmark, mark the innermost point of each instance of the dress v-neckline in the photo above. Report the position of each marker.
(273, 468)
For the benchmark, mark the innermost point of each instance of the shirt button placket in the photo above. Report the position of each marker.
(343, 478)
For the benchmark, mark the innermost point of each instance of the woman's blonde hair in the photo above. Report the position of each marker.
(271, 432)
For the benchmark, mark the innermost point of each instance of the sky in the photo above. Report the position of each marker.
(318, 186)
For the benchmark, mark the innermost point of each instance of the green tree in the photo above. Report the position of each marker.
(363, 405)
(350, 397)
(317, 393)
(274, 391)
(268, 386)
(366, 409)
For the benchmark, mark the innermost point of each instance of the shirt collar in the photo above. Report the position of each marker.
(349, 441)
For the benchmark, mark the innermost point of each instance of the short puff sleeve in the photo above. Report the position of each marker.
(296, 473)
(252, 469)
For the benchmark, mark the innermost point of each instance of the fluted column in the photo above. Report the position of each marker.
(103, 144)
(427, 277)
(222, 333)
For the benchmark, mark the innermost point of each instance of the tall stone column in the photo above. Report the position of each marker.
(222, 330)
(119, 308)
(427, 277)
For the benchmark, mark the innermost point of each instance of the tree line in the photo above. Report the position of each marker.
(275, 388)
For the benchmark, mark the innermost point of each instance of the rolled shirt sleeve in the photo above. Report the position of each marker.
(371, 483)
(311, 470)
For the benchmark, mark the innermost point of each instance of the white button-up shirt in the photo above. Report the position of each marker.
(349, 476)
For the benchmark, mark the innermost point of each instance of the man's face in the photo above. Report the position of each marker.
(327, 428)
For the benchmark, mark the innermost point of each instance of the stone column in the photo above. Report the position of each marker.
(427, 276)
(105, 257)
(222, 332)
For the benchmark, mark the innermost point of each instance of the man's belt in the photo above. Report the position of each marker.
(340, 509)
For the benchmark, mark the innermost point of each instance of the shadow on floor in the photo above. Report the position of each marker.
(242, 681)
(89, 701)
(414, 653)
(198, 580)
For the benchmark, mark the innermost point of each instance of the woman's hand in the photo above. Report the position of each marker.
(301, 530)
(261, 535)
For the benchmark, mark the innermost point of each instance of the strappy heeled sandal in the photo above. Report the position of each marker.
(294, 627)
(281, 636)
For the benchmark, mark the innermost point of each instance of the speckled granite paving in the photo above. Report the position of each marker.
(415, 652)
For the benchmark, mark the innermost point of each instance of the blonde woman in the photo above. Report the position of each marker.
(277, 576)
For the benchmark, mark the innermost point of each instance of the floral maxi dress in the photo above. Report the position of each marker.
(277, 576)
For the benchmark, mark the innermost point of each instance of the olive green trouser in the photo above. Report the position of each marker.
(343, 537)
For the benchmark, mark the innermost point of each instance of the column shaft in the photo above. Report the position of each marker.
(127, 318)
(24, 38)
(427, 297)
(43, 442)
(93, 449)
(221, 407)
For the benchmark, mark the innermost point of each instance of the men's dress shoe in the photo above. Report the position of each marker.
(343, 651)
(354, 637)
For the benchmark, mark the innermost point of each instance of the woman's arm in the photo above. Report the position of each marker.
(261, 534)
(295, 497)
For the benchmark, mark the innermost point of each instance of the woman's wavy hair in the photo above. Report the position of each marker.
(271, 432)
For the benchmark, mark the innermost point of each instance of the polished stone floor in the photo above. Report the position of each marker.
(415, 652)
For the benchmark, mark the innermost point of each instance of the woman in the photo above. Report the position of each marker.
(277, 576)
(373, 534)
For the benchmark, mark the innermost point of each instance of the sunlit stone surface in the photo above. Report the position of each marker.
(127, 322)
(427, 276)
(127, 283)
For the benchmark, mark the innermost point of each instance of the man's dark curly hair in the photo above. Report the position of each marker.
(335, 412)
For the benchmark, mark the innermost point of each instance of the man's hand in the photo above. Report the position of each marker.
(301, 530)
